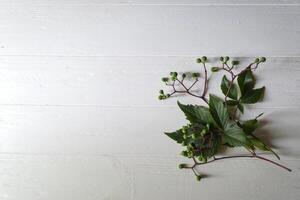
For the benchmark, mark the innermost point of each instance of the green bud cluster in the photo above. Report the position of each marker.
(202, 158)
(203, 59)
(173, 74)
(184, 153)
(162, 95)
(194, 136)
(259, 60)
(203, 132)
(224, 59)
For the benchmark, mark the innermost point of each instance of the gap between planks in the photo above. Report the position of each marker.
(141, 56)
(128, 106)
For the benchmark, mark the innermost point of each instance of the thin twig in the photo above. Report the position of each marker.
(241, 156)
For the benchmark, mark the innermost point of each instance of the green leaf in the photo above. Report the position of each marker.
(235, 136)
(209, 147)
(218, 111)
(177, 136)
(232, 102)
(257, 143)
(246, 81)
(216, 143)
(233, 92)
(196, 114)
(250, 126)
(241, 107)
(253, 96)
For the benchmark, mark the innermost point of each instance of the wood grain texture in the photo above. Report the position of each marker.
(105, 30)
(79, 79)
(111, 177)
(152, 2)
(125, 81)
(61, 130)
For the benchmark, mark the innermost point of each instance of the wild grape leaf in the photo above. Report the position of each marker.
(257, 143)
(235, 136)
(233, 92)
(250, 126)
(240, 107)
(209, 148)
(216, 143)
(177, 136)
(218, 111)
(253, 96)
(232, 102)
(246, 81)
(197, 114)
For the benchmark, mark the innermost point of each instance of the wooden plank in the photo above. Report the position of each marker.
(150, 2)
(125, 81)
(59, 29)
(60, 130)
(117, 177)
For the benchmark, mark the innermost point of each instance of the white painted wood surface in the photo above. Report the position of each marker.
(79, 115)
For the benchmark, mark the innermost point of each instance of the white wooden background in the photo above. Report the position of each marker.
(79, 79)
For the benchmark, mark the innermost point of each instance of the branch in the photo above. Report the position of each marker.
(239, 156)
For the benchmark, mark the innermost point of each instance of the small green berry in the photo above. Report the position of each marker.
(160, 97)
(198, 178)
(215, 69)
(173, 74)
(196, 75)
(221, 59)
(208, 126)
(183, 75)
(256, 60)
(190, 154)
(203, 132)
(199, 60)
(204, 58)
(263, 59)
(168, 95)
(173, 78)
(182, 165)
(226, 58)
(161, 92)
(184, 153)
(165, 79)
(235, 62)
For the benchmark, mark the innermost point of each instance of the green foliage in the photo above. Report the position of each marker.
(196, 114)
(233, 92)
(218, 111)
(217, 124)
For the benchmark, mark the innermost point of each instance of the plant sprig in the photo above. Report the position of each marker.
(218, 124)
